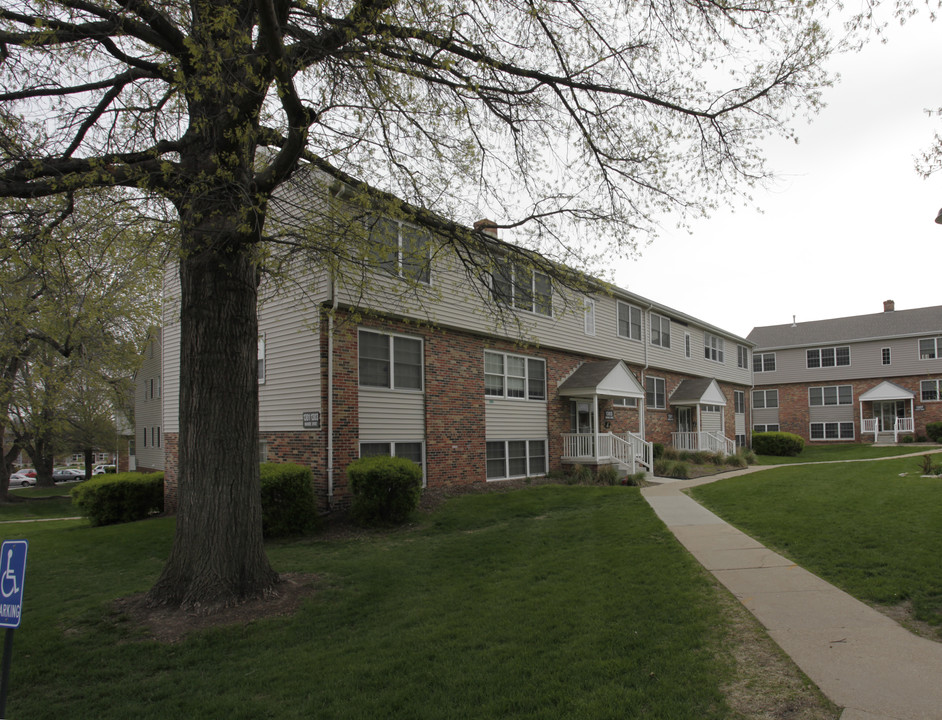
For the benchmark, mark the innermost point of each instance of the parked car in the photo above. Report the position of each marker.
(67, 475)
(23, 478)
(102, 469)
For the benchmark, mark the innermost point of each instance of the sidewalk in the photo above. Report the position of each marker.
(859, 658)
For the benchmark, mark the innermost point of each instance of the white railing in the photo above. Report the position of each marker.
(629, 449)
(904, 424)
(706, 441)
(870, 425)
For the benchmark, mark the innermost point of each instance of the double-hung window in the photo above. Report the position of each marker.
(763, 362)
(408, 450)
(588, 307)
(739, 401)
(400, 249)
(629, 321)
(828, 357)
(930, 348)
(516, 285)
(762, 399)
(655, 394)
(515, 458)
(742, 356)
(831, 395)
(260, 359)
(660, 330)
(832, 431)
(514, 376)
(390, 361)
(713, 347)
(930, 390)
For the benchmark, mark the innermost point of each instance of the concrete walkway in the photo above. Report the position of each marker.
(863, 661)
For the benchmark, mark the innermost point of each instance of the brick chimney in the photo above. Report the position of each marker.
(889, 306)
(488, 226)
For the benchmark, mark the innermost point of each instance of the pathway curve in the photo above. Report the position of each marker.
(862, 660)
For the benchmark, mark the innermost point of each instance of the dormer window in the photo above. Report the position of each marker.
(400, 249)
(516, 285)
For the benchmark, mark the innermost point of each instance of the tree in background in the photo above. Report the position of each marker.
(554, 117)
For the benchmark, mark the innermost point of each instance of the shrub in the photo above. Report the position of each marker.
(934, 431)
(288, 503)
(672, 468)
(777, 443)
(738, 460)
(635, 479)
(578, 475)
(120, 497)
(748, 455)
(608, 475)
(384, 489)
(719, 458)
(658, 450)
(907, 439)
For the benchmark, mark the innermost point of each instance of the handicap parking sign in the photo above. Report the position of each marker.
(12, 573)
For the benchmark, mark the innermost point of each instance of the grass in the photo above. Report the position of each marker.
(550, 602)
(873, 529)
(842, 452)
(36, 503)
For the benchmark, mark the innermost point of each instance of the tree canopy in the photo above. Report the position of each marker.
(551, 117)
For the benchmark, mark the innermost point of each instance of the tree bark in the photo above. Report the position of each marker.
(218, 557)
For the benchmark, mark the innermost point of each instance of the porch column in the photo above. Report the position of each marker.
(595, 414)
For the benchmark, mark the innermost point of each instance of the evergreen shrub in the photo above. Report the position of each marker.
(288, 503)
(384, 490)
(934, 431)
(120, 497)
(782, 444)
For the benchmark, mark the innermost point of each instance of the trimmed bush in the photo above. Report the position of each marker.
(658, 450)
(781, 444)
(384, 490)
(288, 503)
(934, 431)
(119, 498)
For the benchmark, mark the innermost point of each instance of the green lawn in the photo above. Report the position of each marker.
(871, 528)
(39, 503)
(550, 602)
(842, 452)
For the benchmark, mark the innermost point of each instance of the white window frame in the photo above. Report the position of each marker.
(820, 392)
(506, 290)
(766, 427)
(397, 266)
(739, 402)
(633, 311)
(261, 369)
(932, 353)
(760, 360)
(886, 356)
(822, 361)
(936, 390)
(625, 402)
(658, 382)
(764, 403)
(530, 456)
(687, 344)
(392, 339)
(588, 307)
(742, 356)
(839, 426)
(660, 331)
(713, 347)
(392, 450)
(528, 363)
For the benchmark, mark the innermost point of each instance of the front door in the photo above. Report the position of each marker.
(888, 411)
(583, 422)
(685, 419)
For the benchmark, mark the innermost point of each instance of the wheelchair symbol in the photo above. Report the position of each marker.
(8, 578)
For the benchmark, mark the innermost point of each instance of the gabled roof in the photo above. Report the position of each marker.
(893, 323)
(608, 378)
(886, 391)
(697, 391)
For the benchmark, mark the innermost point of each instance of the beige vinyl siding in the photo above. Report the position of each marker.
(516, 419)
(765, 416)
(148, 411)
(170, 351)
(831, 413)
(866, 361)
(711, 421)
(289, 324)
(391, 415)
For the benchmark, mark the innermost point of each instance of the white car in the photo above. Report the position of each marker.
(23, 478)
(102, 469)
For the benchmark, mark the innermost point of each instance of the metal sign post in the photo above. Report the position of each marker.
(12, 575)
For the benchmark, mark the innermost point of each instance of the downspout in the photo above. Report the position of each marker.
(332, 298)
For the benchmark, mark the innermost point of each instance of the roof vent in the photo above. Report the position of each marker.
(889, 306)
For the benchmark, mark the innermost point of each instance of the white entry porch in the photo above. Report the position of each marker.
(886, 412)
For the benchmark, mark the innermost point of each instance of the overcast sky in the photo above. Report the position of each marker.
(848, 225)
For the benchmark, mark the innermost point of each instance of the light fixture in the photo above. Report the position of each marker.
(938, 218)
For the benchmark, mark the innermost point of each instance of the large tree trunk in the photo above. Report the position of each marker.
(218, 557)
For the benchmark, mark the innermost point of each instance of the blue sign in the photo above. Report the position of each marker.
(12, 574)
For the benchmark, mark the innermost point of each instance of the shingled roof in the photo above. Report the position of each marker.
(892, 323)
